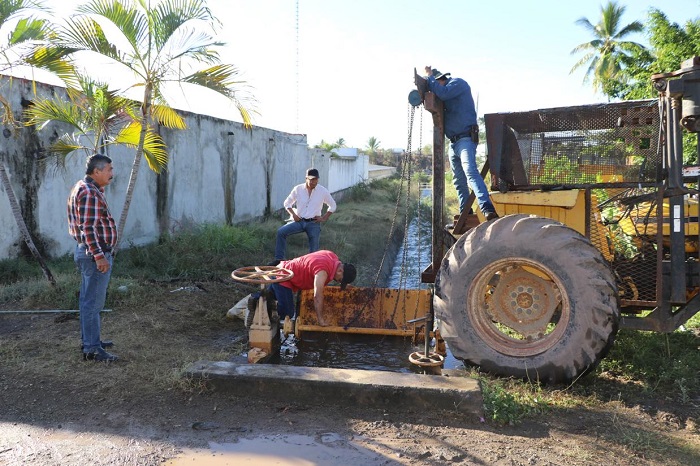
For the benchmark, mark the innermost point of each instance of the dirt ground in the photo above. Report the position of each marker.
(56, 409)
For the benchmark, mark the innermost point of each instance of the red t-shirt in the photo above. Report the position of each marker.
(306, 267)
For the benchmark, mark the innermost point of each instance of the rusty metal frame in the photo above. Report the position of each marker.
(369, 311)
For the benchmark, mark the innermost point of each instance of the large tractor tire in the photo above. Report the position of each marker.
(528, 297)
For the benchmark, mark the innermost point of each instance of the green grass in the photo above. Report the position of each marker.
(357, 232)
(640, 364)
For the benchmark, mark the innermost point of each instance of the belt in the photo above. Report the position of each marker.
(104, 248)
(309, 219)
(459, 136)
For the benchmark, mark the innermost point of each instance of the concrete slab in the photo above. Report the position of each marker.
(450, 391)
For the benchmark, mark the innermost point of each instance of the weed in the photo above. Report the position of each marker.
(656, 362)
(508, 402)
(360, 192)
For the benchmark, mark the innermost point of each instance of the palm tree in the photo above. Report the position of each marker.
(606, 54)
(26, 31)
(159, 43)
(373, 144)
(99, 118)
(372, 148)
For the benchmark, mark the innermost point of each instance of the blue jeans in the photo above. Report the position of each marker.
(466, 175)
(285, 301)
(313, 232)
(93, 292)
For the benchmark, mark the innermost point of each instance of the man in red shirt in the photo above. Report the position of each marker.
(312, 271)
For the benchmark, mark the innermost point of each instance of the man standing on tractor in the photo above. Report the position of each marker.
(462, 129)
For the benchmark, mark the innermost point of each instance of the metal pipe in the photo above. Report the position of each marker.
(49, 311)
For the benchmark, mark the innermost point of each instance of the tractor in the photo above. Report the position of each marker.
(598, 231)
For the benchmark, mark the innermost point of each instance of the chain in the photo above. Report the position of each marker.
(418, 216)
(404, 164)
(405, 168)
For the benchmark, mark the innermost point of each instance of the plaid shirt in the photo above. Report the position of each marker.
(89, 219)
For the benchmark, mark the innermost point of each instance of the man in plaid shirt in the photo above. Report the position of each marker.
(93, 228)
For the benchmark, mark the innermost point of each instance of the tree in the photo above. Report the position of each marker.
(329, 146)
(26, 31)
(99, 118)
(607, 54)
(372, 148)
(373, 144)
(671, 44)
(157, 44)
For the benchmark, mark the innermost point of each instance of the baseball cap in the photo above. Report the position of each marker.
(438, 75)
(349, 274)
(312, 173)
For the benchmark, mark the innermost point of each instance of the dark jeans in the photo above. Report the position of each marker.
(313, 232)
(285, 301)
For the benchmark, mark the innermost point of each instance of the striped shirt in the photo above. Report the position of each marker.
(89, 219)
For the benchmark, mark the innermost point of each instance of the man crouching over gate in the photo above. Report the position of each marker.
(312, 271)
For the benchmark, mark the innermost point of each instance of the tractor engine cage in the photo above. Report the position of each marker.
(604, 170)
(574, 146)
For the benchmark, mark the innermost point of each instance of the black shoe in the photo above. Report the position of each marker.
(103, 344)
(490, 216)
(274, 262)
(100, 355)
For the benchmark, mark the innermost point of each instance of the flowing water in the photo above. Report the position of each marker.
(388, 353)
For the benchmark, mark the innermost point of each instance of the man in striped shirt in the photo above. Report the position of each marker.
(93, 228)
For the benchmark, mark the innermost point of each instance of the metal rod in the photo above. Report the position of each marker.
(355, 330)
(48, 311)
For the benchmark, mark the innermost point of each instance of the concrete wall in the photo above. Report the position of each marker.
(377, 172)
(218, 172)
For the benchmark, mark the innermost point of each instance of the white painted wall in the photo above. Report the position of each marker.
(218, 172)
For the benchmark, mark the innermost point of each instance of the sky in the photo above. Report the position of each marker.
(335, 69)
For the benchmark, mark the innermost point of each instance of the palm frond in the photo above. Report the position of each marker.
(7, 115)
(154, 149)
(66, 145)
(194, 45)
(631, 28)
(218, 78)
(28, 29)
(170, 15)
(84, 33)
(131, 21)
(43, 111)
(56, 60)
(168, 116)
(11, 8)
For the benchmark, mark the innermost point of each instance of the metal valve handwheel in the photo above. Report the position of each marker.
(431, 360)
(262, 274)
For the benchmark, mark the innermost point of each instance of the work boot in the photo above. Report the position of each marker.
(100, 355)
(490, 216)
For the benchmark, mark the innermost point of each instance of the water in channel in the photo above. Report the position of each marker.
(371, 352)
